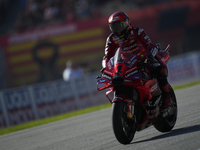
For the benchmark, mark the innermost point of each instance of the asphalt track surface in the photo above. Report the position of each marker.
(93, 131)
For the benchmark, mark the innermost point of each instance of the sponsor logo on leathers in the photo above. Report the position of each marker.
(140, 31)
(130, 47)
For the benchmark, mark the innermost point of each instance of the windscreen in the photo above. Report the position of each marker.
(121, 57)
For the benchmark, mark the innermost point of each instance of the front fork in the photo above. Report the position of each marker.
(130, 103)
(131, 113)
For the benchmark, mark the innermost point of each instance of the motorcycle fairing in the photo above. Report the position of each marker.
(148, 90)
(117, 68)
(137, 100)
(103, 84)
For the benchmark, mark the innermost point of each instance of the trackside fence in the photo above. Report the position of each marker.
(24, 104)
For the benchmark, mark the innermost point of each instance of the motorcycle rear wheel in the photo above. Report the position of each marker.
(124, 131)
(167, 124)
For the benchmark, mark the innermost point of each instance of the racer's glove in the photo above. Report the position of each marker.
(152, 63)
(154, 51)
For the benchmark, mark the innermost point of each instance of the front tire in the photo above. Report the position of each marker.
(167, 124)
(123, 129)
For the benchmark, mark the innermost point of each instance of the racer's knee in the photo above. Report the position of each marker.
(162, 81)
(162, 72)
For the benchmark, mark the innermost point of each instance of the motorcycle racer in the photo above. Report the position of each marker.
(126, 37)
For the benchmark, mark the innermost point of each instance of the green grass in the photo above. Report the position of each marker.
(52, 119)
(186, 85)
(70, 114)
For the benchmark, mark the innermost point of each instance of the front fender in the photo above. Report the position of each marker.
(122, 99)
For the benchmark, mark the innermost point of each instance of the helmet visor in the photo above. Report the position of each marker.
(118, 27)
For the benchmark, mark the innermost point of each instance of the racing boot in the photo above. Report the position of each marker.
(166, 99)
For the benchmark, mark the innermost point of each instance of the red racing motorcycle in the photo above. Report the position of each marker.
(137, 99)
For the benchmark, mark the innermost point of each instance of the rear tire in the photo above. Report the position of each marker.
(124, 131)
(167, 124)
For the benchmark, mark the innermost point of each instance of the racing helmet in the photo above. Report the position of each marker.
(119, 24)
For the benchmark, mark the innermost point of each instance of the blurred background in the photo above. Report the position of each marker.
(46, 43)
(38, 37)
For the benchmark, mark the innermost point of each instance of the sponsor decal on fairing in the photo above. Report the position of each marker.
(107, 76)
(136, 77)
(110, 73)
(101, 80)
(130, 70)
(131, 73)
(112, 62)
(132, 61)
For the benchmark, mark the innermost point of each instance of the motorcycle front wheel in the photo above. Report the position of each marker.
(123, 128)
